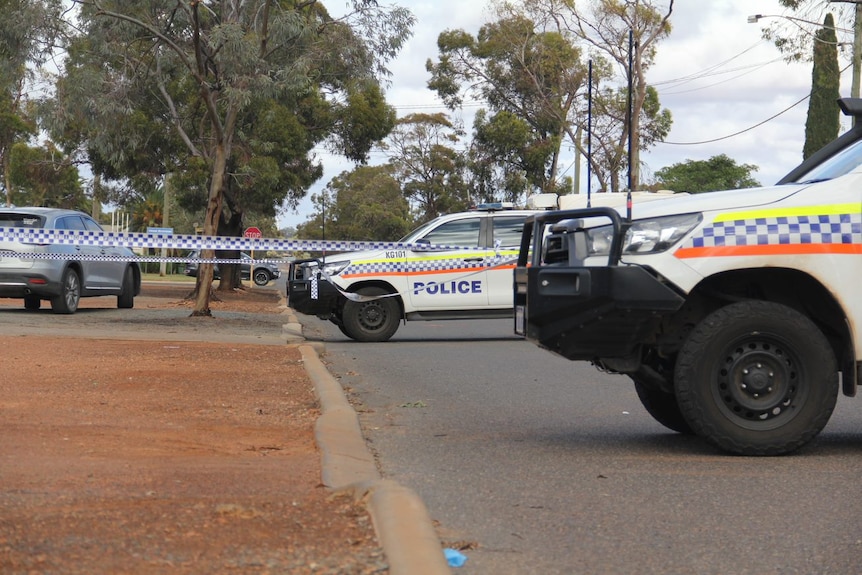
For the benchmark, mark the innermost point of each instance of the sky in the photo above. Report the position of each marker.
(729, 91)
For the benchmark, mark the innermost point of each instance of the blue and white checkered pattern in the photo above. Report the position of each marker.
(375, 268)
(193, 242)
(818, 229)
(131, 258)
(422, 265)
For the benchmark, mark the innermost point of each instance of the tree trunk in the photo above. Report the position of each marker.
(213, 215)
(231, 274)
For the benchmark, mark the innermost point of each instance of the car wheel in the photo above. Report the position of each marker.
(70, 293)
(663, 407)
(756, 378)
(32, 302)
(371, 320)
(261, 277)
(126, 299)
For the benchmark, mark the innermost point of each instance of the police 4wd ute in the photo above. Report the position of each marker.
(367, 294)
(732, 312)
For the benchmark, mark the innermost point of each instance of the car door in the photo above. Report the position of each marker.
(110, 273)
(93, 272)
(452, 279)
(506, 239)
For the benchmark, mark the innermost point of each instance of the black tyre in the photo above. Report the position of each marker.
(756, 378)
(663, 407)
(126, 299)
(371, 320)
(32, 302)
(70, 293)
(261, 277)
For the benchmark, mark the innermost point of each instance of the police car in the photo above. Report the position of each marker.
(367, 294)
(732, 312)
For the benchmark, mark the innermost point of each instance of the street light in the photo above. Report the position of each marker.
(857, 38)
(754, 18)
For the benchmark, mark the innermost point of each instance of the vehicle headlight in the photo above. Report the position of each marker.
(599, 240)
(334, 268)
(650, 236)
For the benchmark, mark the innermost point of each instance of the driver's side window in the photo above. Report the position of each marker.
(460, 233)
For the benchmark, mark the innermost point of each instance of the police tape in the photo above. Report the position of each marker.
(429, 287)
(195, 242)
(105, 239)
(84, 257)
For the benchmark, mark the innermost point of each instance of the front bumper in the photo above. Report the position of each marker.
(585, 312)
(591, 313)
(311, 295)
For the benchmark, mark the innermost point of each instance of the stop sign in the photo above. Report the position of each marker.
(252, 233)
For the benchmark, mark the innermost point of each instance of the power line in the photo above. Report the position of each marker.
(706, 72)
(757, 125)
(745, 71)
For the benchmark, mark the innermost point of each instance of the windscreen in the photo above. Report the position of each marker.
(12, 220)
(842, 163)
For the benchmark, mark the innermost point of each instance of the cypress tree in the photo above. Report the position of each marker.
(822, 124)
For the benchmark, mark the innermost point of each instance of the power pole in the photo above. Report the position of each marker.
(857, 46)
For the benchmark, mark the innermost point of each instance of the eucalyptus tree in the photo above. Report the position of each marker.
(28, 31)
(424, 156)
(530, 77)
(501, 157)
(607, 26)
(44, 176)
(530, 65)
(218, 76)
(365, 203)
(794, 33)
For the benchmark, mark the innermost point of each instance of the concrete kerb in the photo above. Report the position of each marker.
(400, 518)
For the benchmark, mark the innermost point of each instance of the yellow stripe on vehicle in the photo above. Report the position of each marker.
(823, 210)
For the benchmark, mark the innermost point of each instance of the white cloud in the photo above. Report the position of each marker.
(715, 74)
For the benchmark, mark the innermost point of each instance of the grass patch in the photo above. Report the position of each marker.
(155, 277)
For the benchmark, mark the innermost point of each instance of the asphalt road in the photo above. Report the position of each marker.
(549, 466)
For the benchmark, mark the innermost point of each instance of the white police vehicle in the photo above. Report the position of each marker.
(367, 294)
(732, 312)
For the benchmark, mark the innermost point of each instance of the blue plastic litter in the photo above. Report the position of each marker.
(455, 558)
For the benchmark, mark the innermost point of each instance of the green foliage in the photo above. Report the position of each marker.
(823, 120)
(28, 30)
(527, 64)
(508, 140)
(793, 34)
(261, 82)
(717, 173)
(429, 168)
(606, 26)
(368, 205)
(149, 212)
(529, 77)
(365, 120)
(44, 177)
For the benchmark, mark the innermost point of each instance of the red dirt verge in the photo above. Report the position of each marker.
(123, 456)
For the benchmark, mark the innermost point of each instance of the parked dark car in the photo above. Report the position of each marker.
(263, 272)
(68, 277)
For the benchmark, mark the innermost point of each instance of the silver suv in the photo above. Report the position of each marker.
(68, 277)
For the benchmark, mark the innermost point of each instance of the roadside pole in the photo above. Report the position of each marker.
(251, 232)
